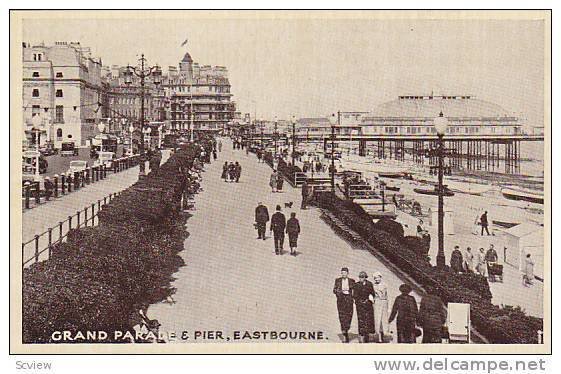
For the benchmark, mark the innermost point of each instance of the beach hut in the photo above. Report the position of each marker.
(523, 239)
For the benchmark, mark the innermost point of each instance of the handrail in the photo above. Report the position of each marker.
(68, 223)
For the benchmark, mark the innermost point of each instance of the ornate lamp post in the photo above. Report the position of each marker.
(142, 72)
(131, 130)
(440, 123)
(334, 120)
(275, 135)
(293, 139)
(37, 122)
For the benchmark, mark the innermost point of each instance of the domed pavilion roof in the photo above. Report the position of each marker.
(431, 106)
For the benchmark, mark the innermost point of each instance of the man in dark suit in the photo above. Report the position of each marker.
(278, 225)
(343, 291)
(261, 219)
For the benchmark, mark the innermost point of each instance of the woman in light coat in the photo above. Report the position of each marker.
(380, 306)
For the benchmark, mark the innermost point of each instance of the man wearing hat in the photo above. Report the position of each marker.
(363, 294)
(278, 225)
(261, 219)
(49, 186)
(405, 308)
(343, 291)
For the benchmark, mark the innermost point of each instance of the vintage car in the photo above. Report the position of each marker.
(77, 165)
(29, 159)
(68, 149)
(105, 158)
(48, 149)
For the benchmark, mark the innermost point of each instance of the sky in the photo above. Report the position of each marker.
(315, 66)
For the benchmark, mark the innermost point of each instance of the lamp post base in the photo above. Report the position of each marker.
(440, 261)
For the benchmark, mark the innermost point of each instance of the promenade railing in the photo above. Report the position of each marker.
(40, 247)
(33, 194)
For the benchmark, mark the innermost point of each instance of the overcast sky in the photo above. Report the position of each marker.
(309, 67)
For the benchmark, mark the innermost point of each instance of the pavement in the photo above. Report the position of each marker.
(233, 281)
(39, 219)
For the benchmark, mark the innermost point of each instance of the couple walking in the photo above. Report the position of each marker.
(371, 301)
(231, 172)
(276, 181)
(279, 225)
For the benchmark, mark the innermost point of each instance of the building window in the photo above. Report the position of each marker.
(59, 93)
(59, 114)
(35, 74)
(59, 134)
(35, 92)
(35, 109)
(59, 74)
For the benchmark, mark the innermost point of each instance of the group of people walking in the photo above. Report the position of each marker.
(371, 302)
(473, 261)
(276, 181)
(278, 226)
(231, 172)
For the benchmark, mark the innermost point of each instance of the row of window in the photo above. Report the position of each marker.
(219, 89)
(35, 74)
(58, 93)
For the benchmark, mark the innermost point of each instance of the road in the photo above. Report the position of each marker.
(235, 282)
(59, 164)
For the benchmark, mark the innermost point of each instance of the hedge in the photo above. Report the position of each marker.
(102, 276)
(500, 325)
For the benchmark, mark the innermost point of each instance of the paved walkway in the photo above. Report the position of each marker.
(39, 219)
(234, 282)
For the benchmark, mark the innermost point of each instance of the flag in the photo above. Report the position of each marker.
(184, 42)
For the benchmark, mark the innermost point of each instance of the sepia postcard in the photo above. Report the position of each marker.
(348, 182)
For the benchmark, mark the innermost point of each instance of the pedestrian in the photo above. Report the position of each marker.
(405, 308)
(293, 230)
(484, 223)
(491, 256)
(343, 290)
(261, 219)
(214, 155)
(363, 294)
(304, 195)
(528, 277)
(468, 261)
(456, 260)
(380, 307)
(432, 316)
(259, 155)
(278, 225)
(423, 233)
(220, 146)
(49, 186)
(232, 171)
(225, 171)
(238, 170)
(280, 181)
(273, 181)
(481, 265)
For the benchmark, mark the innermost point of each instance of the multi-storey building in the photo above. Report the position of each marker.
(62, 85)
(197, 97)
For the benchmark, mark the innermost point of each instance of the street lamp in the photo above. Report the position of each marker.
(334, 120)
(440, 123)
(142, 72)
(262, 120)
(37, 122)
(131, 130)
(275, 136)
(293, 139)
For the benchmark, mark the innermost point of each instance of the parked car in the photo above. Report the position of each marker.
(77, 165)
(48, 149)
(105, 158)
(29, 159)
(68, 149)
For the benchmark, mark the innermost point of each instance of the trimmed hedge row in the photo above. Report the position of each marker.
(101, 276)
(500, 325)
